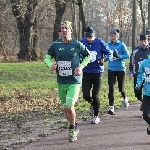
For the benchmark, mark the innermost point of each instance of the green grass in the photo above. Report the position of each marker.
(31, 86)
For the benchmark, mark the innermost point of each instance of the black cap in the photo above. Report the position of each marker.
(142, 37)
(89, 31)
(147, 32)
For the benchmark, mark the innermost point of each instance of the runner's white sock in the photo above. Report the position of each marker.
(111, 108)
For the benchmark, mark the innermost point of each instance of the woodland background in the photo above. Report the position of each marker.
(28, 27)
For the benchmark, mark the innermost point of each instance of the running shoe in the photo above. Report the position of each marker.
(95, 120)
(73, 134)
(111, 112)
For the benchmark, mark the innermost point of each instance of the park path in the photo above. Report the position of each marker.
(124, 131)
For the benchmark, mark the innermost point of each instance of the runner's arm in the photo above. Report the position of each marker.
(87, 57)
(48, 61)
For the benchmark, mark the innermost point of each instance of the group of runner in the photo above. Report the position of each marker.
(81, 63)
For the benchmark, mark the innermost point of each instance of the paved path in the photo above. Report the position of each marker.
(124, 131)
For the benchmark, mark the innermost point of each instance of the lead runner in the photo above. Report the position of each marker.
(66, 52)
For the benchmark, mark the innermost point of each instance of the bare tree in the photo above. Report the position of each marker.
(134, 25)
(25, 25)
(149, 14)
(142, 16)
(60, 9)
(74, 19)
(2, 37)
(82, 21)
(24, 35)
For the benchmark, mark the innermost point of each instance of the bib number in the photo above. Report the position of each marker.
(147, 74)
(64, 68)
(93, 55)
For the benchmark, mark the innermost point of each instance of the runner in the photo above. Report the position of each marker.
(144, 73)
(92, 73)
(116, 69)
(139, 53)
(66, 52)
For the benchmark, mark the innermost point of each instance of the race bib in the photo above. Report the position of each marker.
(147, 74)
(64, 68)
(93, 55)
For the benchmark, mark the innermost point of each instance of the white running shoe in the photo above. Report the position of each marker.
(95, 120)
(126, 104)
(111, 112)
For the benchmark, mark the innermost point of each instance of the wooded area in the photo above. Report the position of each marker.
(28, 27)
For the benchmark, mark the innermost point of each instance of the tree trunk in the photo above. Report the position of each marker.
(149, 14)
(25, 25)
(142, 16)
(60, 9)
(35, 40)
(74, 20)
(81, 17)
(134, 25)
(120, 20)
(2, 48)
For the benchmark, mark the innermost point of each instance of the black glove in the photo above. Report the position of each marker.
(100, 61)
(115, 54)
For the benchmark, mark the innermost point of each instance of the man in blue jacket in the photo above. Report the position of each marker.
(92, 73)
(116, 69)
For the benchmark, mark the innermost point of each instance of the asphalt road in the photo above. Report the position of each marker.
(124, 131)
